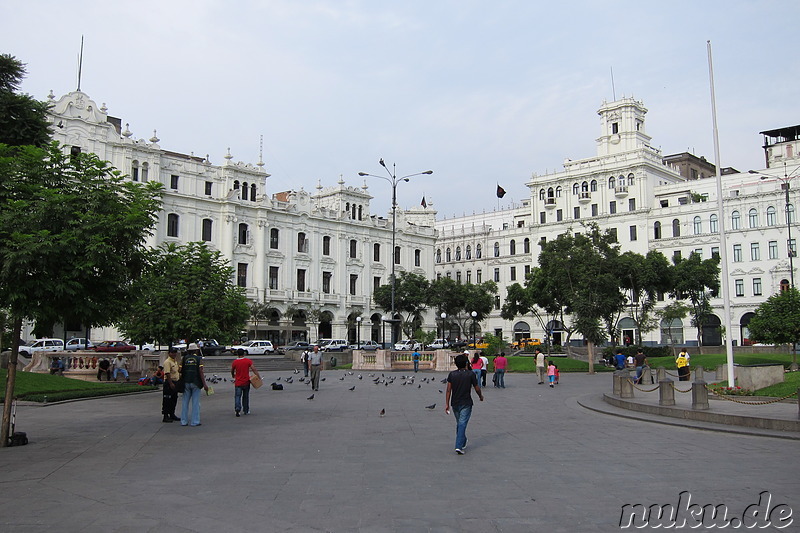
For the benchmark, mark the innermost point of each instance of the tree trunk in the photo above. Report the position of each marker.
(590, 346)
(5, 431)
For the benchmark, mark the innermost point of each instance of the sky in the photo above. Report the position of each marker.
(480, 92)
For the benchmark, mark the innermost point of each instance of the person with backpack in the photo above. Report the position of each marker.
(194, 381)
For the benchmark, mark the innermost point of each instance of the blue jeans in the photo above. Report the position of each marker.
(242, 398)
(191, 394)
(416, 365)
(118, 370)
(639, 373)
(500, 377)
(462, 414)
(477, 372)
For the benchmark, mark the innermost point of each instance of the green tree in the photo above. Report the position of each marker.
(697, 281)
(777, 321)
(258, 313)
(23, 120)
(186, 292)
(410, 300)
(669, 313)
(459, 300)
(642, 279)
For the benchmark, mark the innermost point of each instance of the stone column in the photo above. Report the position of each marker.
(616, 382)
(666, 394)
(661, 374)
(647, 376)
(699, 395)
(699, 373)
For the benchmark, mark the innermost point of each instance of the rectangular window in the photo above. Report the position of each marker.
(207, 226)
(273, 238)
(326, 245)
(353, 248)
(396, 255)
(497, 302)
(478, 276)
(737, 253)
(353, 283)
(273, 278)
(773, 249)
(576, 212)
(513, 274)
(756, 286)
(458, 276)
(792, 251)
(469, 276)
(417, 257)
(594, 210)
(376, 282)
(172, 225)
(301, 280)
(613, 234)
(527, 269)
(631, 204)
(241, 275)
(739, 284)
(699, 252)
(559, 215)
(633, 233)
(676, 256)
(612, 207)
(302, 243)
(208, 188)
(715, 251)
(542, 217)
(326, 282)
(497, 274)
(173, 182)
(755, 252)
(376, 252)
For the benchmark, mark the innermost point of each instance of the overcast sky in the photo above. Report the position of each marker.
(480, 92)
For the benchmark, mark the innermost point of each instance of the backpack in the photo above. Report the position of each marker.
(277, 386)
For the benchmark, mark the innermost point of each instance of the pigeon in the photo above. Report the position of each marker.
(278, 378)
(322, 379)
(353, 387)
(341, 378)
(431, 406)
(296, 371)
(359, 376)
(386, 383)
(444, 380)
(383, 412)
(419, 386)
(350, 373)
(440, 391)
(310, 397)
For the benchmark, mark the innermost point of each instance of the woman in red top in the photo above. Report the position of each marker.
(500, 365)
(477, 366)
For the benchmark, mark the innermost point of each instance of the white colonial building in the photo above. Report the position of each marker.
(650, 202)
(314, 258)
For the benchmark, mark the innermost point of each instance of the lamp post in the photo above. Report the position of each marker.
(474, 343)
(384, 320)
(393, 180)
(358, 331)
(791, 251)
(443, 316)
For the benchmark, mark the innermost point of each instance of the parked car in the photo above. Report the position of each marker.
(333, 345)
(408, 344)
(439, 344)
(114, 346)
(41, 345)
(254, 347)
(522, 344)
(295, 346)
(146, 347)
(366, 345)
(78, 344)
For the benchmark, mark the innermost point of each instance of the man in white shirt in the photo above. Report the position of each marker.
(484, 368)
(540, 366)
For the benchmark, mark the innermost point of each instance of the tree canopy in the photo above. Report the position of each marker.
(777, 321)
(186, 292)
(410, 299)
(23, 119)
(697, 280)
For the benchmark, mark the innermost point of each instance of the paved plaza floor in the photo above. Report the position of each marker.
(536, 461)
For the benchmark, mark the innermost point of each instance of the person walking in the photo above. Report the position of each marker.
(121, 366)
(477, 366)
(551, 373)
(640, 362)
(415, 357)
(460, 383)
(500, 365)
(540, 365)
(194, 381)
(484, 368)
(682, 362)
(315, 362)
(240, 372)
(304, 360)
(172, 382)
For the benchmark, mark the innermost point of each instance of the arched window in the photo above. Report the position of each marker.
(353, 207)
(612, 182)
(558, 192)
(585, 186)
(438, 255)
(736, 220)
(172, 225)
(236, 185)
(551, 193)
(347, 209)
(447, 255)
(593, 186)
(497, 249)
(242, 233)
(301, 242)
(657, 230)
(135, 170)
(376, 252)
(245, 190)
(713, 226)
(630, 179)
(698, 225)
(772, 219)
(359, 212)
(676, 228)
(752, 217)
(145, 171)
(468, 253)
(541, 194)
(458, 253)
(526, 246)
(478, 251)
(784, 285)
(621, 181)
(253, 192)
(790, 216)
(512, 247)
(575, 188)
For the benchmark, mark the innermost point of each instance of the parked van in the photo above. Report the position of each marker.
(42, 345)
(333, 345)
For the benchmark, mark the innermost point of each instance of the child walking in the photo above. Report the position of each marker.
(558, 374)
(551, 373)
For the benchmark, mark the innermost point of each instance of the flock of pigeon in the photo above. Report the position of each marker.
(382, 379)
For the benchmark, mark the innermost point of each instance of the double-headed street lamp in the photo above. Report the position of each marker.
(791, 250)
(393, 180)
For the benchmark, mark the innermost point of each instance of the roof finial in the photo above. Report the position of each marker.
(154, 139)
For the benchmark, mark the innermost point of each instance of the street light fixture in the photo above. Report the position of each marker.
(358, 331)
(474, 317)
(393, 180)
(443, 316)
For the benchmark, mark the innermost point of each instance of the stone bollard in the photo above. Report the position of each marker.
(699, 395)
(616, 382)
(720, 373)
(666, 394)
(625, 384)
(699, 373)
(647, 376)
(661, 374)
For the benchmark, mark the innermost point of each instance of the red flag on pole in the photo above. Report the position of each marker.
(500, 191)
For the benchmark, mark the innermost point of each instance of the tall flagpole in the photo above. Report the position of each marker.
(80, 64)
(723, 243)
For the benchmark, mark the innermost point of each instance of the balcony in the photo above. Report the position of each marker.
(585, 197)
(621, 191)
(549, 203)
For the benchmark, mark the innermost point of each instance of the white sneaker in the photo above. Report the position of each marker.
(459, 451)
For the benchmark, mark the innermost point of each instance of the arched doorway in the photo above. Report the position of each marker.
(672, 332)
(273, 333)
(521, 331)
(712, 333)
(352, 327)
(744, 331)
(325, 328)
(298, 331)
(627, 331)
(375, 327)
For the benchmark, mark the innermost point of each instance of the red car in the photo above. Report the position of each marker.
(114, 346)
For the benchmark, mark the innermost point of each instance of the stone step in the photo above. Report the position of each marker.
(221, 365)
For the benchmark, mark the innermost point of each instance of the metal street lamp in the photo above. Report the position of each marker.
(393, 180)
(358, 331)
(444, 316)
(474, 317)
(791, 250)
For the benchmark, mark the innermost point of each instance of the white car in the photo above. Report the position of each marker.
(408, 344)
(439, 344)
(42, 345)
(254, 348)
(78, 344)
(333, 345)
(368, 345)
